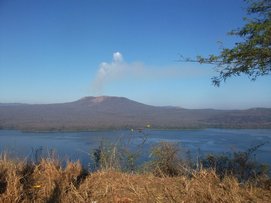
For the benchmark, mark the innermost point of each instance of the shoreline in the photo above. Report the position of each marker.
(128, 129)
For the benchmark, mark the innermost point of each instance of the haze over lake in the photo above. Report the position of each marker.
(78, 145)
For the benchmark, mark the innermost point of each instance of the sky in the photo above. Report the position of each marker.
(59, 51)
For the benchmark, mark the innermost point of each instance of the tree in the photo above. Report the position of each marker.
(251, 56)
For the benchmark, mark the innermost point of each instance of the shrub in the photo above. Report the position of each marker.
(106, 156)
(121, 155)
(240, 164)
(167, 161)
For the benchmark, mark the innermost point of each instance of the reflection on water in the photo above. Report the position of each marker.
(78, 145)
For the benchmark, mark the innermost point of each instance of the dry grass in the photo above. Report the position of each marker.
(49, 182)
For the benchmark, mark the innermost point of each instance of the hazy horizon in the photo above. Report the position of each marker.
(61, 51)
(132, 100)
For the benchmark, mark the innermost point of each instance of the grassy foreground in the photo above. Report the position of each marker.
(49, 182)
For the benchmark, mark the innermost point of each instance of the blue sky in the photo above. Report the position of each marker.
(56, 51)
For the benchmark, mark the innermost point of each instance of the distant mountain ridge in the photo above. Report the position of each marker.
(105, 112)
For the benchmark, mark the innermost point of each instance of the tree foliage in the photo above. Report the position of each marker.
(251, 56)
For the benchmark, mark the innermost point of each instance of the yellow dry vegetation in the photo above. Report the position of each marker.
(49, 182)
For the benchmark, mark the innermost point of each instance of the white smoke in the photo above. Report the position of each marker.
(119, 69)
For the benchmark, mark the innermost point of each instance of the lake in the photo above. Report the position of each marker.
(78, 145)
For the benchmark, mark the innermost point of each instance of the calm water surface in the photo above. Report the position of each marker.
(78, 145)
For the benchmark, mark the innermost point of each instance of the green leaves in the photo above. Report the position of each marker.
(251, 56)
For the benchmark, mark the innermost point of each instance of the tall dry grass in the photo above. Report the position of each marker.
(48, 181)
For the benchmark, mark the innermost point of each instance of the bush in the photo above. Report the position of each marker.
(167, 161)
(240, 164)
(122, 155)
(106, 157)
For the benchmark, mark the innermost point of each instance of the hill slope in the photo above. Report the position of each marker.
(117, 112)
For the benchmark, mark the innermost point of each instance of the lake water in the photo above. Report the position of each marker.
(78, 145)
